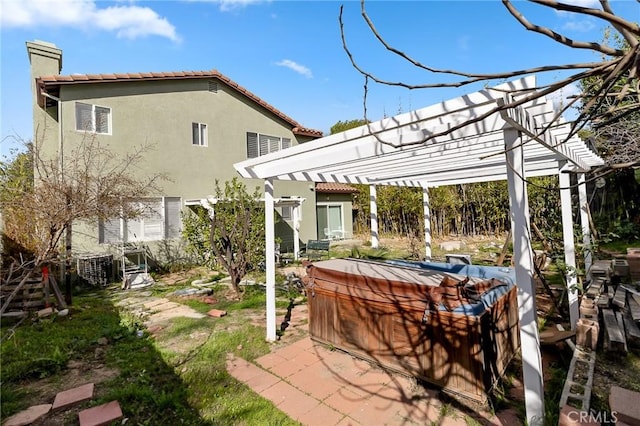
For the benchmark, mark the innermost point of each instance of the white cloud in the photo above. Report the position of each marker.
(563, 97)
(300, 69)
(226, 5)
(577, 22)
(229, 5)
(463, 43)
(594, 4)
(591, 4)
(127, 21)
(584, 25)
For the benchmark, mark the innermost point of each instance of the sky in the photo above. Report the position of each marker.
(289, 53)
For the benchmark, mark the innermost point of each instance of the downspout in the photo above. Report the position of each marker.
(60, 146)
(66, 266)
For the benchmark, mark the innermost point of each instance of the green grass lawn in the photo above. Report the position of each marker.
(178, 377)
(154, 384)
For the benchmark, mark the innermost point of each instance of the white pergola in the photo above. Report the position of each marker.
(513, 144)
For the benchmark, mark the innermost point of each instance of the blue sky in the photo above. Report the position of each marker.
(287, 52)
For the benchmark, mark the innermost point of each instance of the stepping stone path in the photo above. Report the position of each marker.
(73, 396)
(28, 416)
(101, 415)
(156, 310)
(96, 416)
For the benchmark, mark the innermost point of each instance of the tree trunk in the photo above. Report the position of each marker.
(67, 264)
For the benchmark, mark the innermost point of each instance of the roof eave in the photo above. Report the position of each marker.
(53, 83)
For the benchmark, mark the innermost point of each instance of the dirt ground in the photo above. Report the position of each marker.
(293, 323)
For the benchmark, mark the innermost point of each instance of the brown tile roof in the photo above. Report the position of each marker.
(339, 188)
(54, 81)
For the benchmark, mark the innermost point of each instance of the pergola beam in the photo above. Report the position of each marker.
(569, 247)
(427, 224)
(584, 222)
(373, 206)
(523, 263)
(270, 261)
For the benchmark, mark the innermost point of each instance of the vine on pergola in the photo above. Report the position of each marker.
(610, 89)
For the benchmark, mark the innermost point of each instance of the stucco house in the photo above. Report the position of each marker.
(200, 123)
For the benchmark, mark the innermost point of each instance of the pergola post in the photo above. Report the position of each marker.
(427, 224)
(295, 216)
(569, 247)
(584, 222)
(270, 261)
(523, 262)
(373, 203)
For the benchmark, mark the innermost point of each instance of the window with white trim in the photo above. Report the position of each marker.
(159, 219)
(93, 118)
(199, 134)
(285, 212)
(259, 144)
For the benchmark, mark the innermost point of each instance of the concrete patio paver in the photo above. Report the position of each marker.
(318, 386)
(296, 403)
(286, 369)
(270, 360)
(321, 415)
(153, 302)
(243, 370)
(263, 382)
(345, 401)
(173, 312)
(278, 392)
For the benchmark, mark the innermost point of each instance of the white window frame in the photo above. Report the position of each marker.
(271, 144)
(168, 228)
(80, 126)
(149, 226)
(286, 213)
(203, 134)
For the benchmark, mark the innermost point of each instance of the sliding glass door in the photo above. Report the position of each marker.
(330, 223)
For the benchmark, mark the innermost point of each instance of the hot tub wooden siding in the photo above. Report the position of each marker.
(381, 313)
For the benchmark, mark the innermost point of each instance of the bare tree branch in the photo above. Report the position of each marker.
(95, 184)
(627, 34)
(613, 94)
(556, 36)
(606, 15)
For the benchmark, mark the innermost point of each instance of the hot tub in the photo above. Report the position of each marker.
(389, 313)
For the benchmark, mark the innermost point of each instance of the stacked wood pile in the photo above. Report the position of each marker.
(617, 302)
(633, 259)
(609, 313)
(25, 289)
(31, 294)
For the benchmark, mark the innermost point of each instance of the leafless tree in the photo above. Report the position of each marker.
(94, 184)
(612, 97)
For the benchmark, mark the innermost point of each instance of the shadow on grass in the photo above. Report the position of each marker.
(152, 388)
(92, 337)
